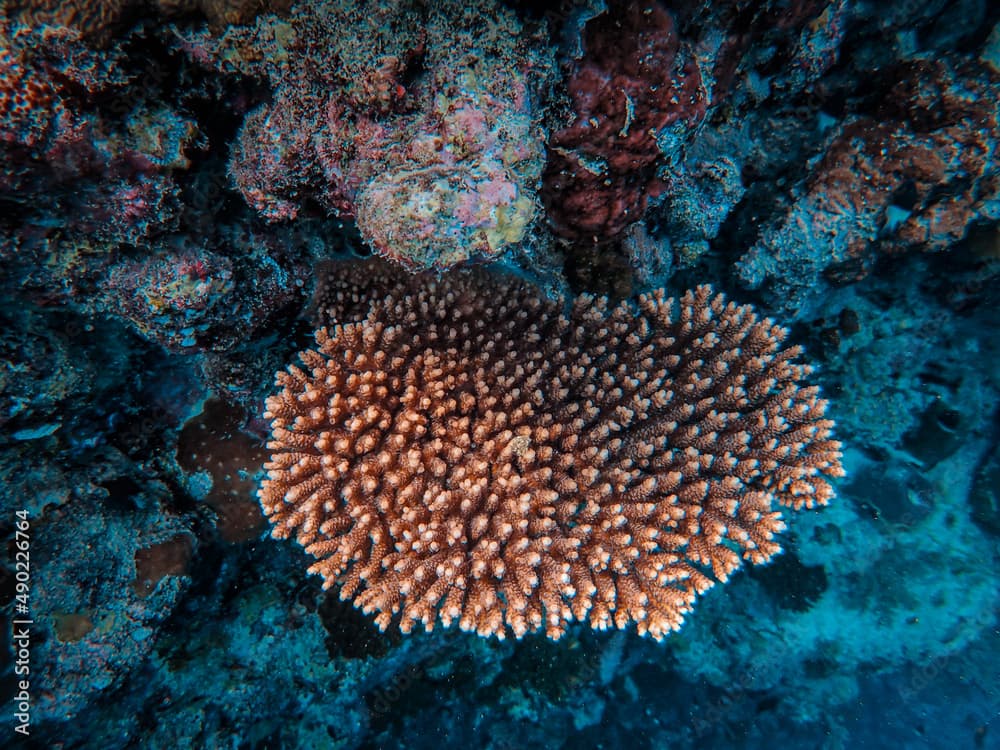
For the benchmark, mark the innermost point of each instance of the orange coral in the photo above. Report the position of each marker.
(467, 451)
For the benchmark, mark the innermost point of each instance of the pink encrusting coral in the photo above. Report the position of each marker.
(462, 186)
(422, 124)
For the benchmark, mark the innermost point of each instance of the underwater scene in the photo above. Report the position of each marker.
(419, 374)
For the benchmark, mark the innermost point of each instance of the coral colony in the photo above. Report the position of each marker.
(465, 451)
(576, 311)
